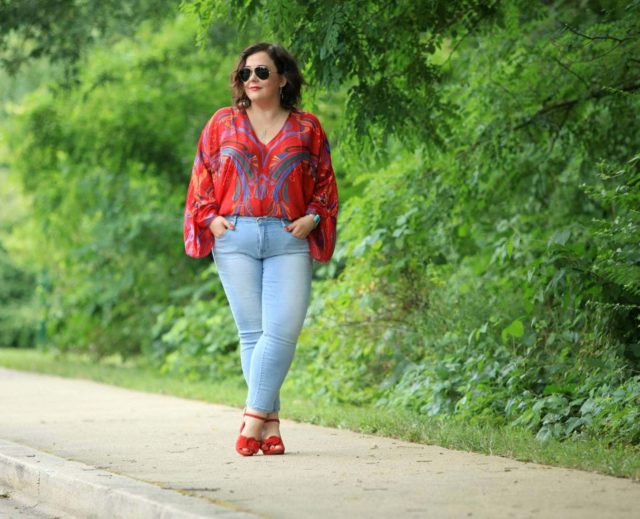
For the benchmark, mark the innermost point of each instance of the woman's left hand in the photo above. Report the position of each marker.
(301, 227)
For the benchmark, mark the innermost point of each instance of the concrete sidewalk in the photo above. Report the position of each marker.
(186, 446)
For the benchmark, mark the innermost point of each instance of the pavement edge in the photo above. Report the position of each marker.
(81, 490)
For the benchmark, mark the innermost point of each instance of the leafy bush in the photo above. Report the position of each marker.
(104, 165)
(198, 339)
(18, 319)
(495, 278)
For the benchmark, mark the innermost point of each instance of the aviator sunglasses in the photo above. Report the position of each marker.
(262, 72)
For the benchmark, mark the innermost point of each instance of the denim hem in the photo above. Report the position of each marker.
(261, 409)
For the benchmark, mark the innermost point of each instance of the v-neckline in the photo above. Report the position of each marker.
(267, 144)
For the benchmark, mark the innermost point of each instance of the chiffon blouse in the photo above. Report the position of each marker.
(234, 173)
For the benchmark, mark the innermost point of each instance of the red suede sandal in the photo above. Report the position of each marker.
(248, 445)
(273, 444)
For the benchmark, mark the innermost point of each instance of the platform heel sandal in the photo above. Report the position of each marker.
(248, 445)
(273, 444)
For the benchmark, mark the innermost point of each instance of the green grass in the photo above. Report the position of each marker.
(587, 454)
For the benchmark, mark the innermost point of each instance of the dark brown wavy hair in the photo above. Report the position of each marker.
(285, 64)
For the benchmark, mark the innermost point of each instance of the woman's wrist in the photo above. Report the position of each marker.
(314, 218)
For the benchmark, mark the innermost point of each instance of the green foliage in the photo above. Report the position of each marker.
(488, 262)
(603, 257)
(496, 279)
(17, 322)
(198, 339)
(104, 165)
(18, 315)
(381, 51)
(64, 29)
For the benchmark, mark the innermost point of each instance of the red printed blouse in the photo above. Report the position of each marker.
(234, 173)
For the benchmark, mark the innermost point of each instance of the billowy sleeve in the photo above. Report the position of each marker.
(324, 202)
(201, 206)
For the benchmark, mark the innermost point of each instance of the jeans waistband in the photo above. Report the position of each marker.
(257, 219)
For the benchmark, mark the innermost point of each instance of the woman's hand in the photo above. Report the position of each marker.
(301, 227)
(219, 226)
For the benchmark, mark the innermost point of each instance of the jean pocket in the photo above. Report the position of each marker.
(295, 237)
(286, 222)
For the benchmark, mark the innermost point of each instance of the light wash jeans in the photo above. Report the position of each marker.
(266, 275)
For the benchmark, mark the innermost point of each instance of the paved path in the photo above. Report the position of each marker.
(187, 446)
(12, 509)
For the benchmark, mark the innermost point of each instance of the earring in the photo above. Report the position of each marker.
(281, 95)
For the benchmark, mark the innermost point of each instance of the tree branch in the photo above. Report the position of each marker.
(567, 105)
(596, 94)
(605, 37)
(568, 69)
(557, 132)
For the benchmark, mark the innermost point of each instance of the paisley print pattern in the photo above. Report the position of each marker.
(234, 173)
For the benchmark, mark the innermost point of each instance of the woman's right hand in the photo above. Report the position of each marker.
(219, 226)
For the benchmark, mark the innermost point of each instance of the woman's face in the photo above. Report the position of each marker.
(261, 90)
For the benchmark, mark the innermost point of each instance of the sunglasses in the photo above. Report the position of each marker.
(262, 72)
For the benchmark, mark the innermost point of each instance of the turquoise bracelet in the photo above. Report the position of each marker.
(316, 220)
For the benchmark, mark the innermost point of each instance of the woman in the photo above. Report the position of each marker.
(263, 199)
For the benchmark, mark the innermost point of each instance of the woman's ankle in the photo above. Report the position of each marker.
(251, 410)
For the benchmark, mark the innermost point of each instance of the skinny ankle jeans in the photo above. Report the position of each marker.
(266, 275)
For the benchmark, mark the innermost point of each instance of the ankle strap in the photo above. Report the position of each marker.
(255, 416)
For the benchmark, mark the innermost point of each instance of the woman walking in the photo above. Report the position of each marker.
(263, 199)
